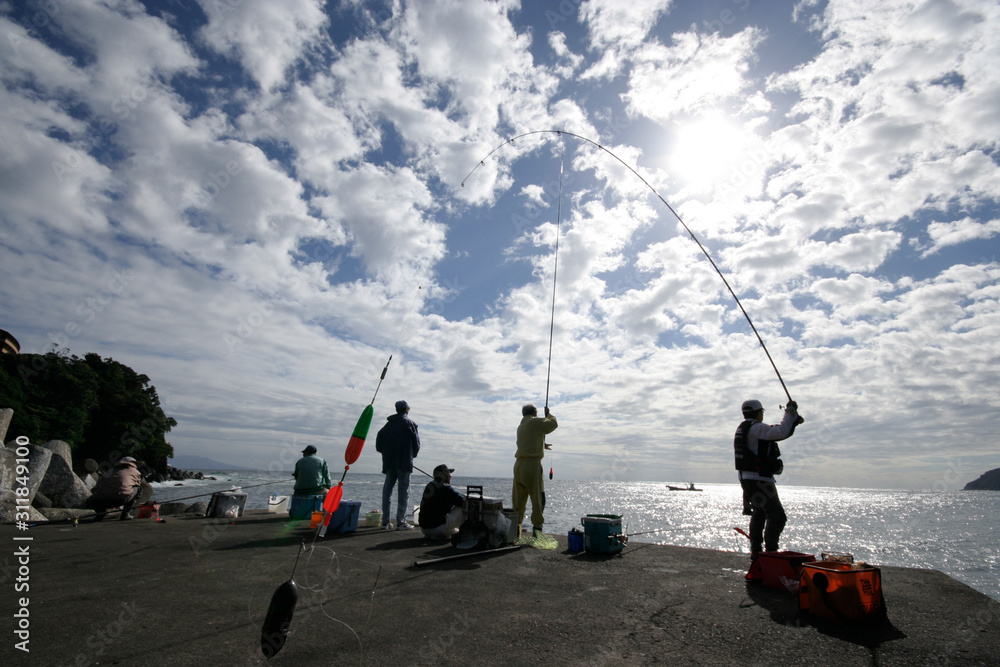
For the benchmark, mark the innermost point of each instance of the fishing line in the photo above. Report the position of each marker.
(280, 565)
(173, 500)
(231, 488)
(332, 566)
(669, 207)
(555, 274)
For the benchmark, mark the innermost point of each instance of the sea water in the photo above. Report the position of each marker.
(955, 532)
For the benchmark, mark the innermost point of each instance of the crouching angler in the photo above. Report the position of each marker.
(120, 486)
(442, 508)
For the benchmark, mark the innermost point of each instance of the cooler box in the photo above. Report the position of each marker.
(226, 505)
(602, 533)
(842, 592)
(778, 569)
(345, 519)
(302, 507)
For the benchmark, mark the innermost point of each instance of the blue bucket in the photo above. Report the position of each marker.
(575, 541)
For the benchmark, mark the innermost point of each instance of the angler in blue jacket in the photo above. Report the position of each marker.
(398, 442)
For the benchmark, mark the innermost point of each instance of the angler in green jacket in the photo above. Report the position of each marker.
(529, 478)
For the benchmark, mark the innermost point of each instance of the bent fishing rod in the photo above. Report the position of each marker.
(669, 207)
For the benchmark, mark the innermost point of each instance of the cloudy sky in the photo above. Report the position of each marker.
(255, 203)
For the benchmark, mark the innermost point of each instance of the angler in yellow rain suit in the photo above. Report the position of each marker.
(529, 480)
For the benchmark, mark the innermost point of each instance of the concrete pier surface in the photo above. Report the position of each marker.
(194, 591)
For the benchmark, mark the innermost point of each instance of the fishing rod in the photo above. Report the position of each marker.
(231, 488)
(276, 626)
(483, 552)
(555, 275)
(669, 207)
(173, 500)
(648, 532)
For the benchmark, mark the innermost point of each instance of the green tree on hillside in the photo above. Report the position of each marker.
(101, 407)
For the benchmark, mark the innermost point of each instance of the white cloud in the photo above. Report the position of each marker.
(272, 237)
(695, 72)
(944, 234)
(621, 25)
(268, 37)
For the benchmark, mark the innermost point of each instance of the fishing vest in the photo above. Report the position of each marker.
(767, 460)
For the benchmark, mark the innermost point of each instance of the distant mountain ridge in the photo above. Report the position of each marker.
(988, 481)
(190, 462)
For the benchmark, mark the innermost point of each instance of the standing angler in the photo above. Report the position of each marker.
(529, 480)
(758, 461)
(398, 442)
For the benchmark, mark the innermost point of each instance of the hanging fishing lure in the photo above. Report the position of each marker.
(278, 621)
(563, 133)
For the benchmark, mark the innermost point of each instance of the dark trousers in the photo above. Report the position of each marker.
(767, 516)
(102, 505)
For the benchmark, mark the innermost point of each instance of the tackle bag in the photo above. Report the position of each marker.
(778, 569)
(842, 592)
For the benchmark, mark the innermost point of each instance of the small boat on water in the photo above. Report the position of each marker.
(689, 487)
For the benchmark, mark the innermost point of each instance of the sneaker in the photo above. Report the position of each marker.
(386, 526)
(404, 526)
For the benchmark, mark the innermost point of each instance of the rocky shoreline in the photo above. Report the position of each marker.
(55, 487)
(988, 481)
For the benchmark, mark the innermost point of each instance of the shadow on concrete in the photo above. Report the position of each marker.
(784, 609)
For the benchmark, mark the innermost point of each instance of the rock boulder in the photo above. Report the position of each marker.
(60, 483)
(6, 414)
(38, 464)
(8, 467)
(197, 509)
(41, 501)
(171, 509)
(9, 509)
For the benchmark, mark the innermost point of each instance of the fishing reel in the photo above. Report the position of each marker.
(799, 419)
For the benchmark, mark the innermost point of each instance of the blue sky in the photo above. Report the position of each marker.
(256, 203)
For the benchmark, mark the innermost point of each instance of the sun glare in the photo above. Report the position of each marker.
(707, 150)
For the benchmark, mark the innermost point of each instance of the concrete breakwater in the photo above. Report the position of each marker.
(195, 590)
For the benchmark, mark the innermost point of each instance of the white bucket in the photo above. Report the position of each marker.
(276, 504)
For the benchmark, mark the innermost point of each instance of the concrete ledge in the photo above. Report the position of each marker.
(194, 591)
